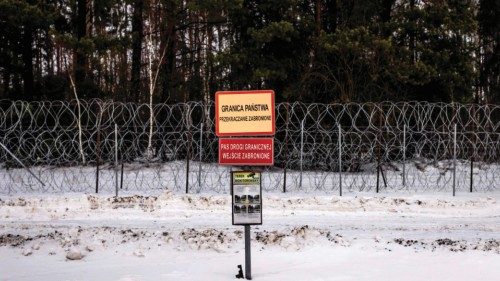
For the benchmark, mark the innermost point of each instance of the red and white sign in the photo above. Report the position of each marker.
(246, 151)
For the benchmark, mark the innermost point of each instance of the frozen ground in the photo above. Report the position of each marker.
(304, 237)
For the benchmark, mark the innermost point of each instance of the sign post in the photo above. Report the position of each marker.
(248, 255)
(246, 188)
(245, 114)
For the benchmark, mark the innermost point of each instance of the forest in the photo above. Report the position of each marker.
(305, 50)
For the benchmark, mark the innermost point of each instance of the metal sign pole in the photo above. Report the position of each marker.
(248, 259)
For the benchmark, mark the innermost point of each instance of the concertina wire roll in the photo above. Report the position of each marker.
(395, 146)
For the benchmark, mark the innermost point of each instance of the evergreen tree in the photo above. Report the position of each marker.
(308, 50)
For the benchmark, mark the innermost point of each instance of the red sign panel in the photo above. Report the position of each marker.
(246, 151)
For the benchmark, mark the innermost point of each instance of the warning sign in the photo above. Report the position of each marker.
(247, 198)
(244, 113)
(246, 151)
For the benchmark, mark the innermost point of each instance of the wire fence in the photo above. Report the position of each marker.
(100, 146)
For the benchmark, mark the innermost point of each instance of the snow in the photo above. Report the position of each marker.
(171, 236)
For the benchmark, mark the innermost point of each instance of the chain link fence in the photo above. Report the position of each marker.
(97, 146)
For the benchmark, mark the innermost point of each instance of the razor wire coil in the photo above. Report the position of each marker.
(378, 140)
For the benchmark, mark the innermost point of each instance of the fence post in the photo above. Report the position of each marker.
(340, 159)
(188, 154)
(98, 150)
(404, 155)
(378, 149)
(8, 185)
(301, 149)
(4, 139)
(473, 149)
(286, 148)
(121, 176)
(454, 157)
(116, 160)
(201, 155)
(471, 174)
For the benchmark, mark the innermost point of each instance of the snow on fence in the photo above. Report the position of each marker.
(327, 147)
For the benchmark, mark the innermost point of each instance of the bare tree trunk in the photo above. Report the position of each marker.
(153, 77)
(79, 120)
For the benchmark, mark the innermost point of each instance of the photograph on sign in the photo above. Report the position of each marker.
(247, 198)
(246, 151)
(244, 113)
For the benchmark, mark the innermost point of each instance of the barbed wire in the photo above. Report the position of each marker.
(384, 146)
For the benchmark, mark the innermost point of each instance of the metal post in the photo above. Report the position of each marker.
(98, 155)
(187, 168)
(454, 157)
(378, 177)
(284, 179)
(121, 177)
(340, 160)
(248, 261)
(471, 174)
(9, 189)
(116, 160)
(98, 150)
(188, 154)
(378, 151)
(201, 155)
(301, 150)
(379, 156)
(286, 148)
(404, 155)
(473, 151)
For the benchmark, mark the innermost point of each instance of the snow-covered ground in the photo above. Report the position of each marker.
(304, 237)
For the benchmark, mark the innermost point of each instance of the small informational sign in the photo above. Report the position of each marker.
(244, 113)
(246, 151)
(247, 198)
